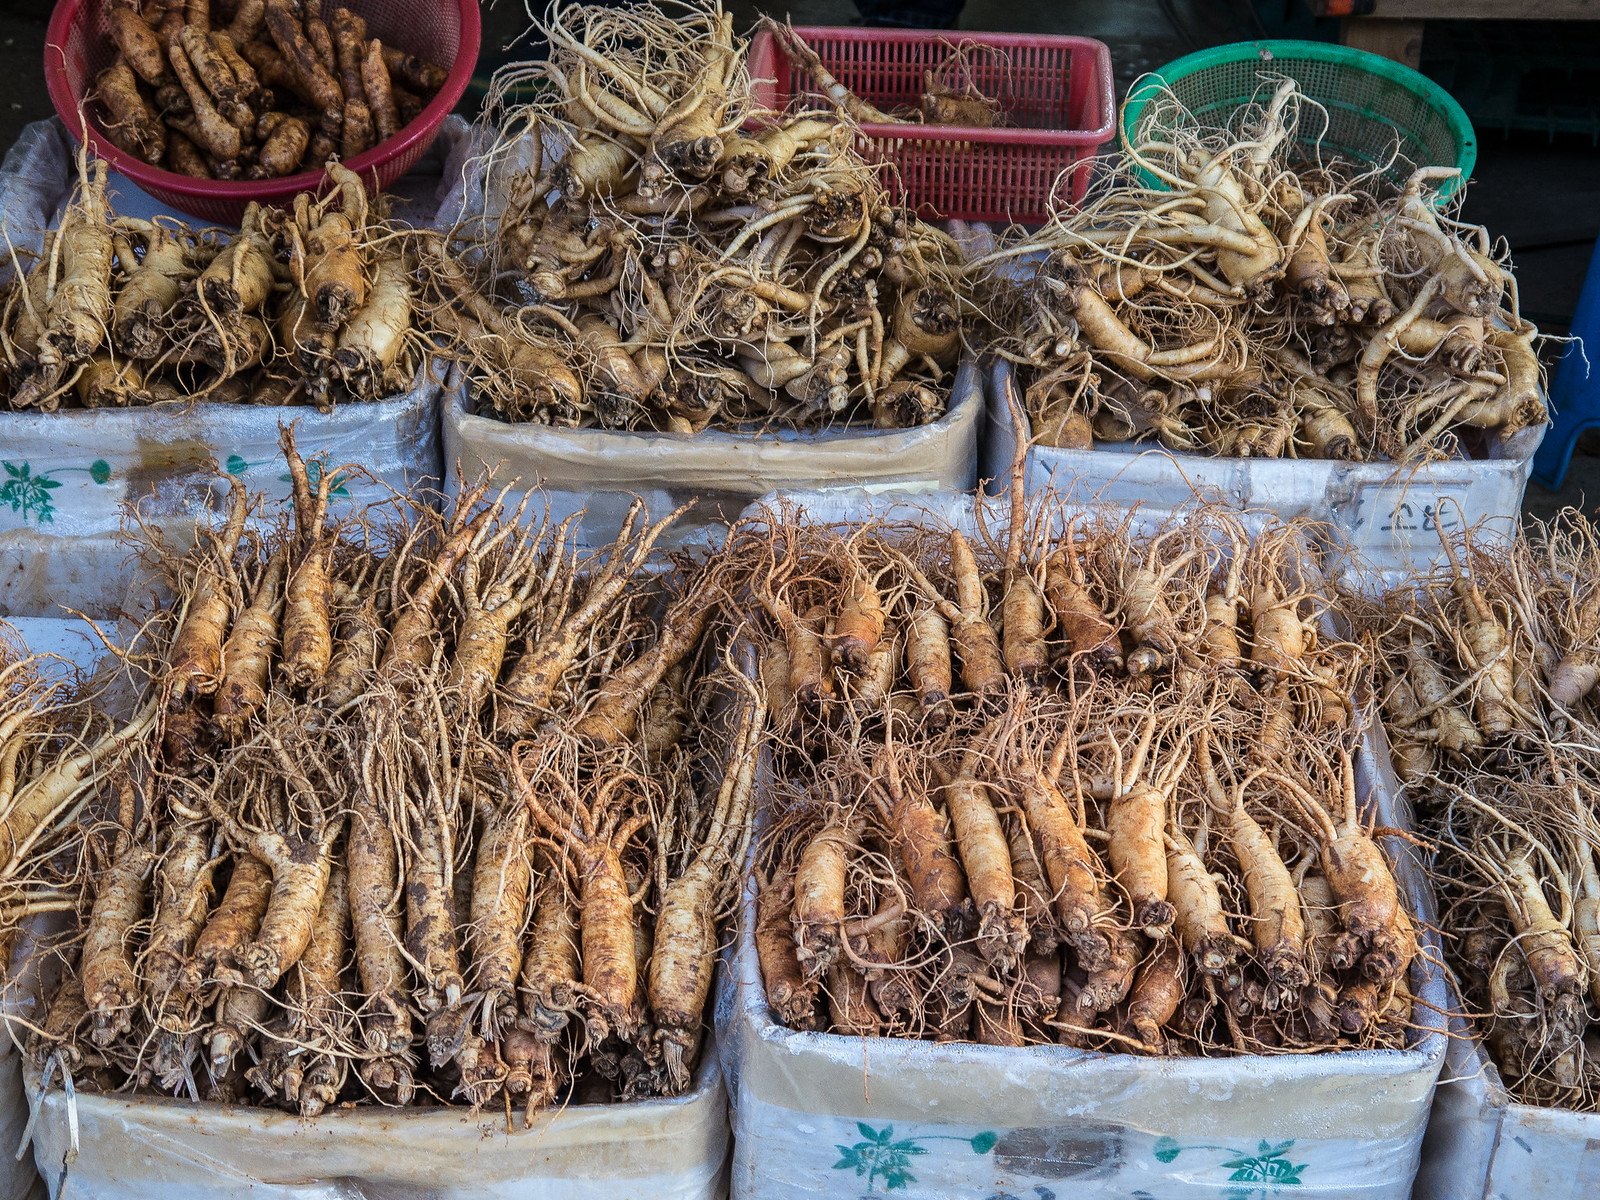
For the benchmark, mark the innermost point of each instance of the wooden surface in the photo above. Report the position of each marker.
(1399, 40)
(1394, 27)
(1485, 10)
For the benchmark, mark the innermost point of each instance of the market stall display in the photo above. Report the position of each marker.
(308, 750)
(1259, 301)
(647, 249)
(1053, 851)
(1070, 834)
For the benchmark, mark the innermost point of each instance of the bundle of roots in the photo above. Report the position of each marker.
(304, 306)
(1234, 292)
(1089, 785)
(442, 812)
(656, 253)
(1488, 696)
(252, 89)
(57, 746)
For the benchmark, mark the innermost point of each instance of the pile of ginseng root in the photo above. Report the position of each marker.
(310, 305)
(1234, 292)
(253, 89)
(1489, 699)
(427, 812)
(654, 253)
(1088, 784)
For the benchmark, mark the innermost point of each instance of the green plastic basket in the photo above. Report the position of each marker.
(1370, 102)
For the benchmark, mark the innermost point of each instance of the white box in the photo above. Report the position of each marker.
(1482, 1144)
(96, 1147)
(815, 1113)
(1384, 514)
(600, 471)
(66, 477)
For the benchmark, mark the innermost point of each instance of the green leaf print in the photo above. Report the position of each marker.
(27, 493)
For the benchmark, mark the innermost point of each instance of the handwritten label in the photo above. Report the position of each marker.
(1406, 517)
(1388, 513)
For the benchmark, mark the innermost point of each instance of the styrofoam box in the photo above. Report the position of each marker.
(599, 472)
(1484, 1145)
(1385, 515)
(112, 1147)
(815, 1113)
(68, 477)
(1481, 1143)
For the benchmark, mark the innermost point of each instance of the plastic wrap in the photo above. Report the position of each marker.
(600, 471)
(1484, 1145)
(1386, 515)
(66, 476)
(149, 1148)
(826, 1115)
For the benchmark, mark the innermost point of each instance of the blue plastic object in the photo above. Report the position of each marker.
(1575, 392)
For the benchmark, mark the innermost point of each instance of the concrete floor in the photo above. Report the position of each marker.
(1542, 196)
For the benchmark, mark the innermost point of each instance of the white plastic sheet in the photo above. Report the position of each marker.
(601, 471)
(148, 1148)
(66, 477)
(825, 1115)
(1385, 516)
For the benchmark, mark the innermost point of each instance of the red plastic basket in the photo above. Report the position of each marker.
(78, 46)
(1055, 93)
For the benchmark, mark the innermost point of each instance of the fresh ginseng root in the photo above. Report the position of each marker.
(986, 858)
(110, 986)
(791, 994)
(817, 910)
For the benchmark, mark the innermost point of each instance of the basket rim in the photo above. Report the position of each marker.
(68, 13)
(1144, 89)
(912, 132)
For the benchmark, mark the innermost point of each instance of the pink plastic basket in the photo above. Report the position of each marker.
(78, 46)
(1055, 93)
